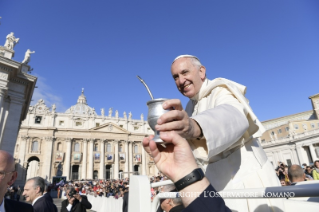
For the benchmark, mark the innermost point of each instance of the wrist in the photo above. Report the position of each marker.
(197, 130)
(189, 179)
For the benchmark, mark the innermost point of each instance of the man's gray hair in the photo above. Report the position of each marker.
(38, 182)
(168, 188)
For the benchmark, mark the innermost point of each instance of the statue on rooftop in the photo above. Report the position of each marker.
(116, 114)
(11, 41)
(124, 115)
(27, 56)
(53, 108)
(110, 112)
(102, 111)
(130, 115)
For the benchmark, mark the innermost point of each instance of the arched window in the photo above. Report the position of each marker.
(108, 147)
(135, 149)
(34, 147)
(76, 147)
(96, 146)
(120, 148)
(59, 146)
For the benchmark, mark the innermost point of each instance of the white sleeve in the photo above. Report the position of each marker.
(69, 207)
(222, 126)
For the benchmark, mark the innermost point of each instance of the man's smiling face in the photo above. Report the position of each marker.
(188, 77)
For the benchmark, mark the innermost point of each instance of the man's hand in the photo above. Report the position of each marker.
(176, 160)
(77, 196)
(177, 120)
(71, 200)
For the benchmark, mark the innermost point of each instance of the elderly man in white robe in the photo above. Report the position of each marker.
(223, 133)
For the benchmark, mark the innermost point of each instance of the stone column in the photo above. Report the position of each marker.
(130, 157)
(84, 160)
(2, 95)
(22, 151)
(116, 160)
(143, 162)
(299, 153)
(67, 160)
(126, 159)
(102, 160)
(313, 153)
(46, 171)
(90, 174)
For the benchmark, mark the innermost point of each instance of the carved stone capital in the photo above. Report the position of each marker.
(68, 139)
(92, 140)
(24, 137)
(85, 140)
(48, 138)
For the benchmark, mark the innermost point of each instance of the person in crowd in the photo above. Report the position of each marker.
(8, 175)
(283, 182)
(46, 193)
(125, 199)
(33, 192)
(222, 131)
(171, 205)
(315, 172)
(75, 202)
(296, 174)
(19, 192)
(308, 172)
(177, 162)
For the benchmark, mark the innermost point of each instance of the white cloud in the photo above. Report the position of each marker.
(45, 92)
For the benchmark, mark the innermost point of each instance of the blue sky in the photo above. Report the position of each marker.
(271, 46)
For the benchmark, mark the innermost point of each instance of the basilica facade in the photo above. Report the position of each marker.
(293, 139)
(80, 144)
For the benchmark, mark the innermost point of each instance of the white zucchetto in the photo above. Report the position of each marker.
(185, 55)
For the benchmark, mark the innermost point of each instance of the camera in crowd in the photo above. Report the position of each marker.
(72, 193)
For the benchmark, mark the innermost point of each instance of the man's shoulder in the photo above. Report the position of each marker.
(12, 205)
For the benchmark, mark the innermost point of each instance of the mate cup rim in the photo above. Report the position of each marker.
(156, 100)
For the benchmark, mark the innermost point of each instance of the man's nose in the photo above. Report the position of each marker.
(181, 79)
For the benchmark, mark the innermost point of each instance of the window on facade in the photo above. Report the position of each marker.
(121, 125)
(97, 124)
(38, 119)
(136, 128)
(279, 131)
(76, 147)
(120, 148)
(287, 129)
(96, 146)
(148, 129)
(61, 123)
(135, 149)
(296, 126)
(34, 147)
(108, 147)
(272, 133)
(78, 123)
(59, 147)
(312, 125)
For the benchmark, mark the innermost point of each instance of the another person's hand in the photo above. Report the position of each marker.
(177, 120)
(71, 200)
(176, 160)
(77, 196)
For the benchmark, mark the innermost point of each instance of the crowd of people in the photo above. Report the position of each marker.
(302, 173)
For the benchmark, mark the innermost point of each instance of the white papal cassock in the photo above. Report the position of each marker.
(230, 150)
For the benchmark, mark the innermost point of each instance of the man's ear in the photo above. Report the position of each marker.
(13, 178)
(202, 73)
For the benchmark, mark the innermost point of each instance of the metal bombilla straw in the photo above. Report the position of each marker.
(155, 110)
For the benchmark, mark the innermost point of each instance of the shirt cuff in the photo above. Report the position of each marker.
(69, 207)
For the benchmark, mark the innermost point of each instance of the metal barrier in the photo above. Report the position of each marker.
(140, 193)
